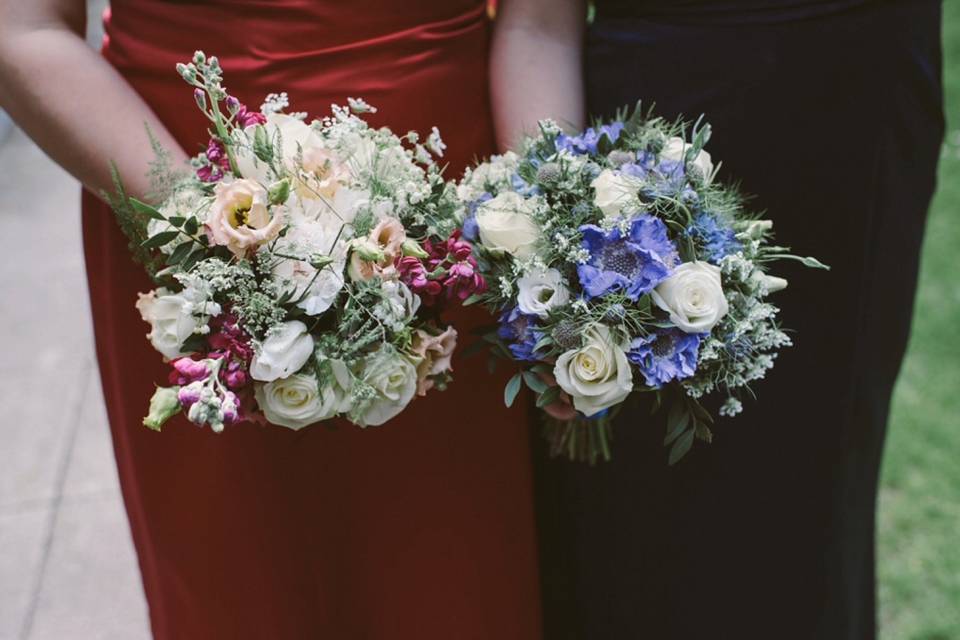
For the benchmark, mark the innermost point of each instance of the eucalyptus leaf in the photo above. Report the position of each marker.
(680, 447)
(534, 382)
(512, 389)
(677, 422)
(548, 397)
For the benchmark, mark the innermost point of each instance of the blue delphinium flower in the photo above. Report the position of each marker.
(471, 232)
(665, 356)
(521, 333)
(718, 240)
(586, 142)
(634, 263)
(522, 187)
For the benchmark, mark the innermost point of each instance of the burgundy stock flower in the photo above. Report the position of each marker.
(219, 163)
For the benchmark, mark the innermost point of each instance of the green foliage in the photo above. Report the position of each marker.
(919, 559)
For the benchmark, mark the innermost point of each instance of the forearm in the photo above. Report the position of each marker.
(536, 67)
(77, 107)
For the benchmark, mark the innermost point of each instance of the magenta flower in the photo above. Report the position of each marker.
(415, 276)
(218, 162)
(457, 267)
(190, 394)
(246, 118)
(464, 279)
(187, 370)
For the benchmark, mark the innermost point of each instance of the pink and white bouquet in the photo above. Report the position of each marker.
(618, 266)
(301, 266)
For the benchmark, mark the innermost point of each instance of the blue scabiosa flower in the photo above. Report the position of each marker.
(586, 142)
(634, 263)
(521, 333)
(717, 239)
(665, 356)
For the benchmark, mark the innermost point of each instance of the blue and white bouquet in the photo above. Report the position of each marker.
(618, 266)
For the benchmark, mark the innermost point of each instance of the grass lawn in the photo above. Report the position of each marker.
(919, 522)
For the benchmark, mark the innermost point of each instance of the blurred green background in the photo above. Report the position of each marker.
(919, 521)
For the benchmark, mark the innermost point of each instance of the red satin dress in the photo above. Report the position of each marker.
(422, 528)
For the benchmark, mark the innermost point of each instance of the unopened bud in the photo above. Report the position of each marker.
(413, 248)
(163, 405)
(279, 191)
(319, 261)
(368, 251)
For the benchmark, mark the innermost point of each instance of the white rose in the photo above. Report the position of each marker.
(613, 192)
(505, 223)
(395, 380)
(282, 353)
(676, 148)
(316, 291)
(597, 375)
(295, 135)
(171, 320)
(693, 296)
(298, 400)
(541, 291)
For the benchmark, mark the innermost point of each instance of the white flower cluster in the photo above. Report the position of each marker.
(301, 240)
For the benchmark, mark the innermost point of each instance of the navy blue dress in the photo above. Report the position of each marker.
(831, 113)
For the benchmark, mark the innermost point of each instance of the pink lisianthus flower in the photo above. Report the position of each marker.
(433, 355)
(219, 163)
(414, 274)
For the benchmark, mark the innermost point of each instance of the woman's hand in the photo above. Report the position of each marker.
(70, 100)
(536, 66)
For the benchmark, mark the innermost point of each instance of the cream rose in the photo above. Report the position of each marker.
(283, 353)
(433, 355)
(505, 223)
(298, 400)
(693, 296)
(597, 375)
(676, 148)
(541, 291)
(394, 379)
(613, 192)
(295, 136)
(171, 321)
(240, 218)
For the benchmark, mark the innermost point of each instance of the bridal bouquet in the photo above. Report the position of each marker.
(301, 266)
(618, 266)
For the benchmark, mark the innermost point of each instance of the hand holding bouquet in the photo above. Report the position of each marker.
(618, 266)
(301, 267)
